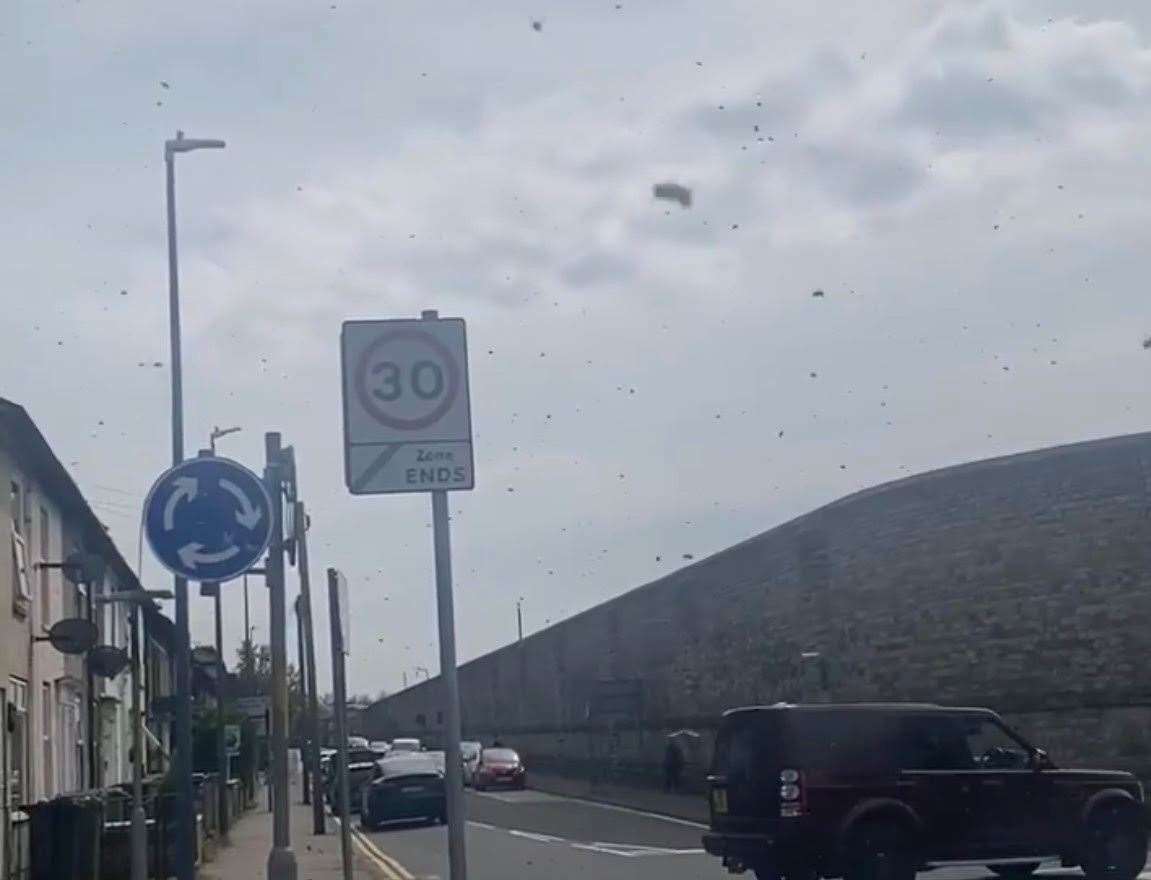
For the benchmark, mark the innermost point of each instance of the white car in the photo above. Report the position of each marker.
(404, 744)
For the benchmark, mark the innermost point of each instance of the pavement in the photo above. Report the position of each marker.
(317, 856)
(537, 835)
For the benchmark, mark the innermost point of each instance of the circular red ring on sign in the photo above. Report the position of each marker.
(452, 380)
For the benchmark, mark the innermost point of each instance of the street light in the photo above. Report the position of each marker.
(185, 849)
(136, 598)
(217, 433)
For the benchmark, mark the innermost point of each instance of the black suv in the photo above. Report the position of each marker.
(880, 791)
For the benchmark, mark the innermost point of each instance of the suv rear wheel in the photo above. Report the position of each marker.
(1014, 872)
(1116, 844)
(879, 850)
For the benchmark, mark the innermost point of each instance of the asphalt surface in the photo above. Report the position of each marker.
(531, 835)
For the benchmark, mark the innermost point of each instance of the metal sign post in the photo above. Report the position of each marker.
(308, 670)
(337, 615)
(407, 428)
(281, 858)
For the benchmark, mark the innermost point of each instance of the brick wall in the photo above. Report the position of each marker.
(1021, 583)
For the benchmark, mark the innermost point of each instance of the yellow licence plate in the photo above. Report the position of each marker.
(719, 800)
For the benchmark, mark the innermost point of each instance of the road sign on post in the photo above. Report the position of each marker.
(232, 740)
(208, 519)
(408, 428)
(407, 417)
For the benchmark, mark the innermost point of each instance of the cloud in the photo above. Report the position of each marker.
(955, 226)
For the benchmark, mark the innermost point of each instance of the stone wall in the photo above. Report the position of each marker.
(1022, 583)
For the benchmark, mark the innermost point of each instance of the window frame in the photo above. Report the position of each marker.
(22, 588)
(45, 585)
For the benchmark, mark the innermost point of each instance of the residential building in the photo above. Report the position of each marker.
(53, 705)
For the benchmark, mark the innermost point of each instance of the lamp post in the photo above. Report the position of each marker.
(217, 433)
(185, 826)
(139, 818)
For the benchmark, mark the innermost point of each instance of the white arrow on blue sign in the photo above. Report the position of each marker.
(208, 519)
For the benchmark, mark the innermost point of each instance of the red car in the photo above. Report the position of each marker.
(499, 767)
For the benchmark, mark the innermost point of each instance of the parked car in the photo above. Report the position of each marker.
(380, 747)
(408, 786)
(498, 767)
(361, 770)
(357, 742)
(470, 756)
(406, 744)
(882, 790)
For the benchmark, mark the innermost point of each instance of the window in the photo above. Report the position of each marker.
(46, 741)
(958, 743)
(22, 593)
(18, 740)
(71, 743)
(45, 573)
(17, 507)
(993, 748)
(935, 742)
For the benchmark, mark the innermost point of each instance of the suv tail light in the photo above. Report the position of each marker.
(792, 801)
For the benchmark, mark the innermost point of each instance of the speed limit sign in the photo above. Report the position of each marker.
(407, 417)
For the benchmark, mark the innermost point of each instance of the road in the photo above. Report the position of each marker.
(531, 835)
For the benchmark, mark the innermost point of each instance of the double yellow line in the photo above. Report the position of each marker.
(390, 868)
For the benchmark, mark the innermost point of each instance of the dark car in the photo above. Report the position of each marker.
(361, 770)
(408, 786)
(879, 791)
(499, 766)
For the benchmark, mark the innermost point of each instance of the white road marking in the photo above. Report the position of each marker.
(532, 835)
(632, 851)
(533, 796)
(519, 797)
(627, 850)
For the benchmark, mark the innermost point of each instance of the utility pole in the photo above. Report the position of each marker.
(312, 710)
(185, 801)
(281, 858)
(520, 618)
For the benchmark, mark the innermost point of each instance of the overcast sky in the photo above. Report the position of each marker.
(967, 183)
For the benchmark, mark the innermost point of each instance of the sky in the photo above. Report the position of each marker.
(914, 241)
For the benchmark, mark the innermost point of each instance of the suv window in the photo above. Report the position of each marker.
(755, 746)
(844, 742)
(941, 742)
(993, 748)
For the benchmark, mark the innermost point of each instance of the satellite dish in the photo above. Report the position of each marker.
(108, 661)
(73, 635)
(84, 568)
